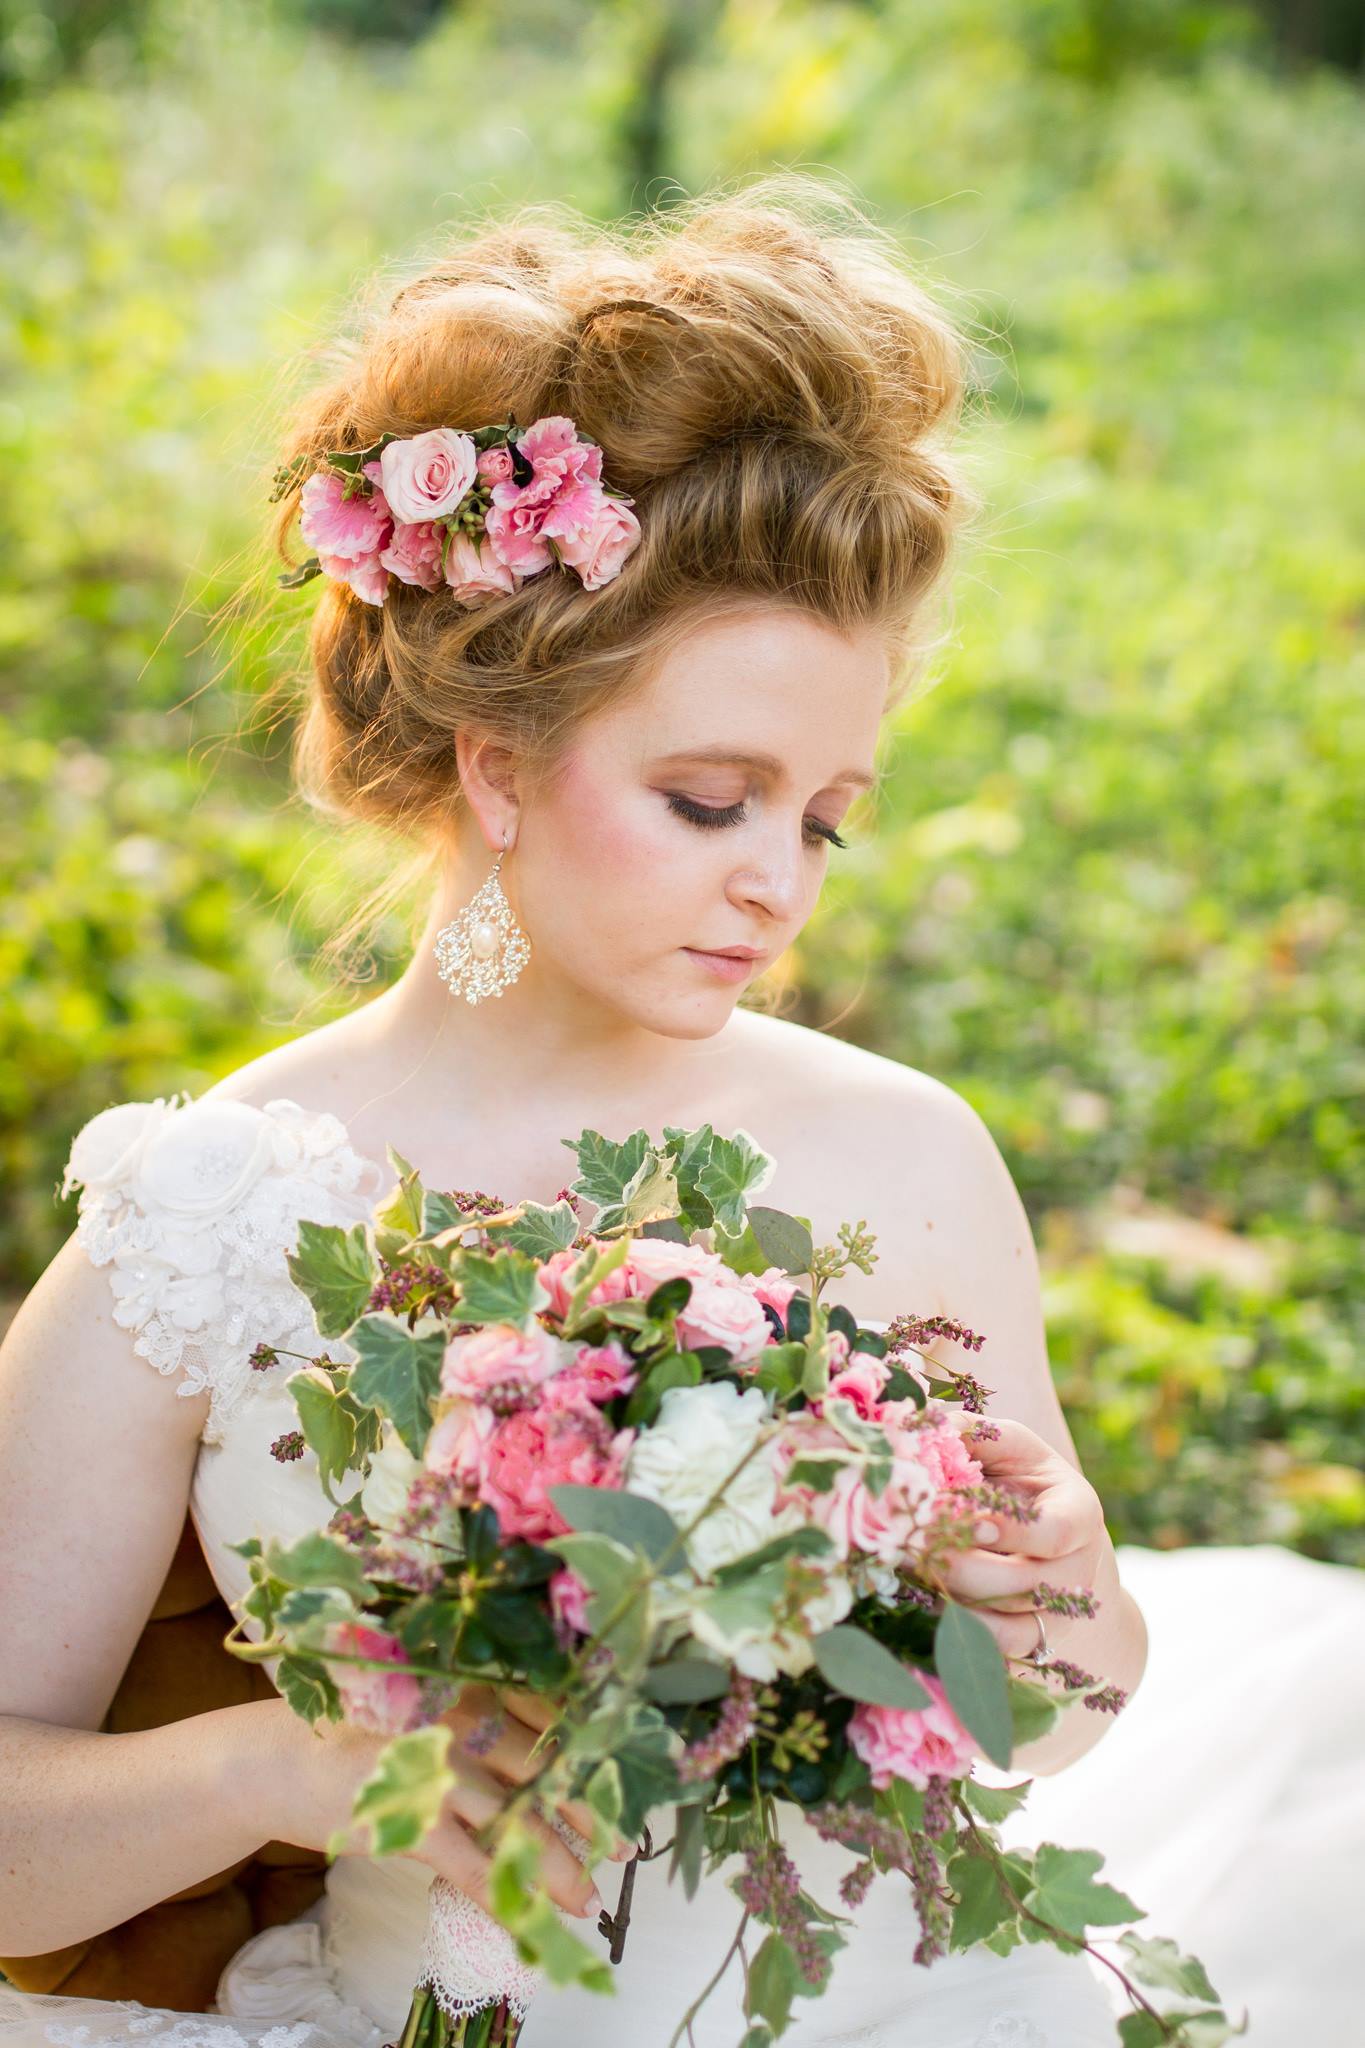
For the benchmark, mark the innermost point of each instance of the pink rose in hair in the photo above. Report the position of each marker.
(554, 1277)
(513, 533)
(427, 475)
(914, 1743)
(500, 1355)
(414, 555)
(529, 1452)
(495, 464)
(346, 529)
(598, 545)
(385, 1702)
(475, 573)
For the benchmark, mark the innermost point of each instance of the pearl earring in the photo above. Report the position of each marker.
(483, 949)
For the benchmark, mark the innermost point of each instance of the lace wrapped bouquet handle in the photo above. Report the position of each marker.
(644, 1471)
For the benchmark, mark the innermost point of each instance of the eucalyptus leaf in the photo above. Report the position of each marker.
(975, 1679)
(786, 1240)
(861, 1668)
(628, 1518)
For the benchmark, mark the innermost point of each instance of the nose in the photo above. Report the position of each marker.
(778, 881)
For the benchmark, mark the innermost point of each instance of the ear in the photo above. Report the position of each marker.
(488, 776)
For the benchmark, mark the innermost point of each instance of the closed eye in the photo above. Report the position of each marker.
(711, 817)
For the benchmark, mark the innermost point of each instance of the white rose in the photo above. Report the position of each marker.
(205, 1159)
(108, 1148)
(700, 1436)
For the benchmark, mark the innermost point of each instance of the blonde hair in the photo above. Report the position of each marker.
(768, 380)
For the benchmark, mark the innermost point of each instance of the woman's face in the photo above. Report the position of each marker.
(654, 845)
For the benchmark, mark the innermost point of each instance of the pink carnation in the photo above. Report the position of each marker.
(945, 1455)
(385, 1702)
(559, 501)
(367, 576)
(500, 1355)
(346, 529)
(524, 1455)
(915, 1743)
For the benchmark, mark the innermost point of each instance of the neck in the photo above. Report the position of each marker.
(542, 1037)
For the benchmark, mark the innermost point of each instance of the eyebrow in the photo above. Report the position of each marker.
(766, 764)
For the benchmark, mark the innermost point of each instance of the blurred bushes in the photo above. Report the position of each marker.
(1112, 891)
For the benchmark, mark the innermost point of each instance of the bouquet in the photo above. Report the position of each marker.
(646, 1473)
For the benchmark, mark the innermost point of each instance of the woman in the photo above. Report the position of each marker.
(641, 753)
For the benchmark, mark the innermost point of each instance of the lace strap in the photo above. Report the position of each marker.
(194, 1205)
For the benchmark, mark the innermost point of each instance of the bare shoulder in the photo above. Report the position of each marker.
(322, 1069)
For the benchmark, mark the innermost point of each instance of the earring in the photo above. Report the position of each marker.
(483, 949)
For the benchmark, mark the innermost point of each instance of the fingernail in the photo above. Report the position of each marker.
(596, 1903)
(987, 1532)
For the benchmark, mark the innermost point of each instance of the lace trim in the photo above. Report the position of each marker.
(469, 1960)
(195, 1205)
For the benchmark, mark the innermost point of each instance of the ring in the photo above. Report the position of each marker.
(1040, 1655)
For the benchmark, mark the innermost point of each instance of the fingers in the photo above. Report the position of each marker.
(531, 1707)
(516, 1751)
(478, 1798)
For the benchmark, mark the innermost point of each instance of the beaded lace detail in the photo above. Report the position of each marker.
(195, 1205)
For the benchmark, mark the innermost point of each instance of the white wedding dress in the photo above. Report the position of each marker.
(1228, 1797)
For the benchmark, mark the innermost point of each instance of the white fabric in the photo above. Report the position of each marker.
(1227, 1797)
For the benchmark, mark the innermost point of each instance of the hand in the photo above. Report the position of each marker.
(319, 1769)
(1066, 1545)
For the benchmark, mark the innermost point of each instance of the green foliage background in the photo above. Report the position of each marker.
(1111, 891)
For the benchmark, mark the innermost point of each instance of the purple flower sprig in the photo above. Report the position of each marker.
(770, 1889)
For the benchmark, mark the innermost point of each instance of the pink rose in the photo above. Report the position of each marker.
(474, 573)
(500, 1355)
(385, 1702)
(495, 464)
(427, 475)
(569, 1600)
(554, 1277)
(414, 555)
(721, 1313)
(597, 544)
(596, 1372)
(454, 1448)
(525, 1454)
(652, 1260)
(513, 534)
(888, 1525)
(915, 1743)
(344, 529)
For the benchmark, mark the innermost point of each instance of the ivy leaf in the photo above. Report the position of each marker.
(1158, 1960)
(334, 1268)
(968, 1660)
(317, 1560)
(995, 1802)
(499, 1287)
(401, 1799)
(309, 1688)
(328, 1420)
(538, 1231)
(402, 1213)
(861, 1668)
(1065, 1892)
(982, 1906)
(737, 1168)
(605, 1168)
(398, 1373)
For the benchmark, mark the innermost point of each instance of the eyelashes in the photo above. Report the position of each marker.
(712, 818)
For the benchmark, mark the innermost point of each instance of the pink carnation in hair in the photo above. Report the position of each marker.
(385, 1702)
(914, 1743)
(559, 461)
(346, 529)
(367, 576)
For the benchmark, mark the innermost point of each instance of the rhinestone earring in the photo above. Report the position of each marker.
(483, 949)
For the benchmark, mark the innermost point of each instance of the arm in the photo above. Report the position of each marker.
(986, 1270)
(96, 1454)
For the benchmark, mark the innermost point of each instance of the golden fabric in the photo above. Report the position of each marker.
(172, 1954)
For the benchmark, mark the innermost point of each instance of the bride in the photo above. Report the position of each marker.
(643, 755)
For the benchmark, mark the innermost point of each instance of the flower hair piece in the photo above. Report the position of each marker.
(476, 512)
